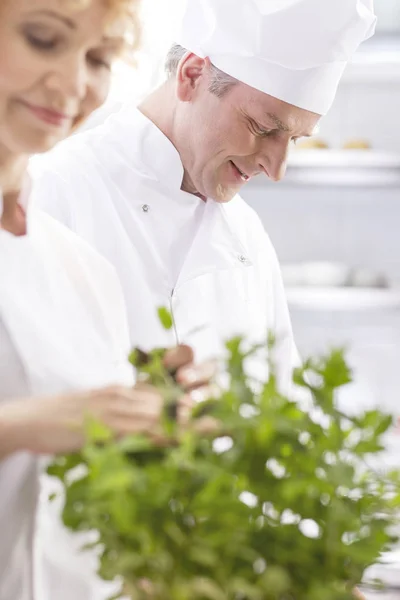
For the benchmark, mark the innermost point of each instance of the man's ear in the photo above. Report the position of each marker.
(190, 74)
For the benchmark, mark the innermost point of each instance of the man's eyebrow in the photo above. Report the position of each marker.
(279, 124)
(282, 127)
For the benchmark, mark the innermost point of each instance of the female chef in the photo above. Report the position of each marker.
(63, 336)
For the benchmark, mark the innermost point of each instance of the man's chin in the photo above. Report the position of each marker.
(224, 193)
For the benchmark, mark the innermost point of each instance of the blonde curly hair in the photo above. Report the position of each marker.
(127, 14)
(124, 16)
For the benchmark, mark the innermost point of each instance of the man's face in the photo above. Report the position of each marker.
(225, 141)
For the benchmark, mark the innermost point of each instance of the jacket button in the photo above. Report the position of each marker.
(242, 258)
(145, 207)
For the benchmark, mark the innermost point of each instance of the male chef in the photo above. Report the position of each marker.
(156, 188)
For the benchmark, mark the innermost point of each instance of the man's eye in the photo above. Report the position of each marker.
(258, 131)
(263, 132)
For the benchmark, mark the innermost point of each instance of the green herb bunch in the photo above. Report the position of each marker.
(279, 504)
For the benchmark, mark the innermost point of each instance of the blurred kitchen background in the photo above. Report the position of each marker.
(335, 219)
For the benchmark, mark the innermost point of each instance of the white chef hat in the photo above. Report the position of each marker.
(294, 50)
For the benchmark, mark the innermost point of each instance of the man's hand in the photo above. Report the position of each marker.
(192, 377)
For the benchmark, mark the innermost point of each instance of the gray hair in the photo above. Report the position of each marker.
(221, 83)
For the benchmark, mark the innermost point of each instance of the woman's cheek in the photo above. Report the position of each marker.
(19, 69)
(97, 94)
(99, 90)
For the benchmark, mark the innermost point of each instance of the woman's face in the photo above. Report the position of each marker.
(55, 60)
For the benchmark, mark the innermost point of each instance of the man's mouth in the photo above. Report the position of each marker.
(243, 175)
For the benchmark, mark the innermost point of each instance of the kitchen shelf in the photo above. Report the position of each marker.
(343, 299)
(343, 168)
(338, 159)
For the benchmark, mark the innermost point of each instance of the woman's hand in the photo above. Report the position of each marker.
(52, 425)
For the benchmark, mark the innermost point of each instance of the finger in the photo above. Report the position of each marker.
(149, 427)
(207, 426)
(186, 401)
(192, 376)
(138, 403)
(142, 386)
(204, 393)
(184, 416)
(189, 401)
(175, 358)
(184, 411)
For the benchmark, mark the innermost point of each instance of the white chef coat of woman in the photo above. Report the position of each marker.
(63, 331)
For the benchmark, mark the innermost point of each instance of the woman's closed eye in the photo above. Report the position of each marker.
(42, 44)
(42, 38)
(99, 61)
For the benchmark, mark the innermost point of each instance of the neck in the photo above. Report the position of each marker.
(12, 171)
(160, 108)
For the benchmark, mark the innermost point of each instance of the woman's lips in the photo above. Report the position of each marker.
(48, 115)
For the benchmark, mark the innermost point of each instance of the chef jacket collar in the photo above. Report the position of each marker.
(137, 136)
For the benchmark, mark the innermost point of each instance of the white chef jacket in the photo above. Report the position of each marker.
(62, 328)
(119, 186)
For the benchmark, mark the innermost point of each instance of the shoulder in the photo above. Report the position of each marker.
(87, 160)
(67, 180)
(78, 258)
(62, 178)
(98, 146)
(94, 281)
(66, 157)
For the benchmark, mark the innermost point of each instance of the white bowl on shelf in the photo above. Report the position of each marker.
(316, 274)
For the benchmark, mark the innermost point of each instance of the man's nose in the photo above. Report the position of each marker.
(273, 158)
